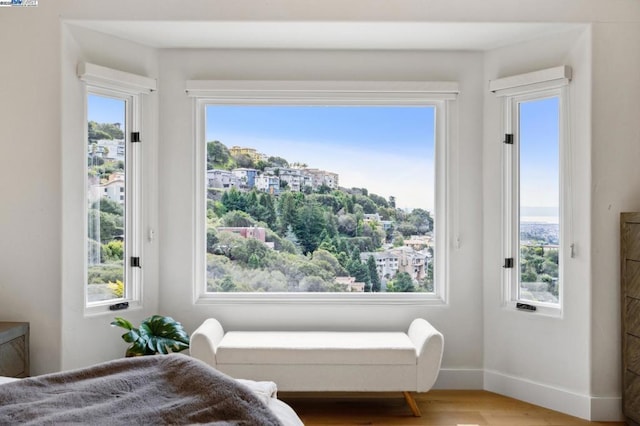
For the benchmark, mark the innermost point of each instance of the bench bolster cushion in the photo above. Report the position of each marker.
(205, 340)
(429, 344)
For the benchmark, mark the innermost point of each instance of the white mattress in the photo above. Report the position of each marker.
(4, 380)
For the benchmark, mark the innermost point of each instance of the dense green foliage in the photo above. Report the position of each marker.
(105, 217)
(539, 257)
(100, 131)
(317, 235)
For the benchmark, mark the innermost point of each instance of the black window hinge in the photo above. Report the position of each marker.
(508, 138)
(135, 262)
(135, 137)
(508, 262)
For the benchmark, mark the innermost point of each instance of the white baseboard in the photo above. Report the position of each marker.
(606, 409)
(460, 379)
(583, 406)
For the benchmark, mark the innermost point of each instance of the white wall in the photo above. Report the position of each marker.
(615, 185)
(30, 202)
(463, 349)
(549, 354)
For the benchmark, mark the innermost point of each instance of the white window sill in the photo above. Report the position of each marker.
(542, 309)
(102, 308)
(321, 299)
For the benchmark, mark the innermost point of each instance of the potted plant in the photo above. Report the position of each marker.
(156, 335)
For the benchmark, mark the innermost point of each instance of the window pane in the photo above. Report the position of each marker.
(320, 199)
(539, 200)
(106, 198)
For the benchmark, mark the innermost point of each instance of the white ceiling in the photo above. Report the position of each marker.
(324, 35)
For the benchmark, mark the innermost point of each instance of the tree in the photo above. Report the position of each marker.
(313, 284)
(328, 261)
(308, 226)
(227, 284)
(347, 225)
(359, 270)
(245, 161)
(380, 201)
(114, 130)
(96, 133)
(268, 213)
(288, 205)
(407, 229)
(291, 237)
(111, 225)
(237, 219)
(212, 240)
(373, 274)
(278, 162)
(402, 283)
(368, 206)
(254, 261)
(218, 155)
(113, 250)
(234, 200)
(422, 220)
(323, 189)
(107, 205)
(249, 252)
(329, 201)
(253, 208)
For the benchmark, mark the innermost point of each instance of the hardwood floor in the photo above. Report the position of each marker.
(438, 407)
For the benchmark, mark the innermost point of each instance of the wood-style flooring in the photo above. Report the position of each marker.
(438, 407)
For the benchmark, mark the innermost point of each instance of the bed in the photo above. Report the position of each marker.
(161, 389)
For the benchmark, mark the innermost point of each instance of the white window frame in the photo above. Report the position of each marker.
(440, 95)
(514, 90)
(115, 84)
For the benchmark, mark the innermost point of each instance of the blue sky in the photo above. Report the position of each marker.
(105, 110)
(388, 150)
(539, 153)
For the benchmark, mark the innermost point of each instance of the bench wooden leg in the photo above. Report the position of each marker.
(412, 404)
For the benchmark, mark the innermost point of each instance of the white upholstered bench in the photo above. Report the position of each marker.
(326, 360)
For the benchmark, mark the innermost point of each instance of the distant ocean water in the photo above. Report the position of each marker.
(551, 220)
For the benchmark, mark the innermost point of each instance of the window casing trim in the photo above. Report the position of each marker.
(535, 86)
(127, 87)
(442, 96)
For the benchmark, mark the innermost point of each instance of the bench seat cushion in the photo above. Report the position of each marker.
(340, 348)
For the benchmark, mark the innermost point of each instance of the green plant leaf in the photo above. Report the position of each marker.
(156, 334)
(121, 322)
(131, 336)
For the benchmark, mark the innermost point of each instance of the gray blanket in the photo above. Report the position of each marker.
(162, 389)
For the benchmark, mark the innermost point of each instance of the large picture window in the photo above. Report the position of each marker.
(332, 199)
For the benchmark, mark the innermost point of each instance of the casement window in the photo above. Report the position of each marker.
(321, 191)
(535, 147)
(112, 146)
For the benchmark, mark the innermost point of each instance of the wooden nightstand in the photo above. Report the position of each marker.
(14, 349)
